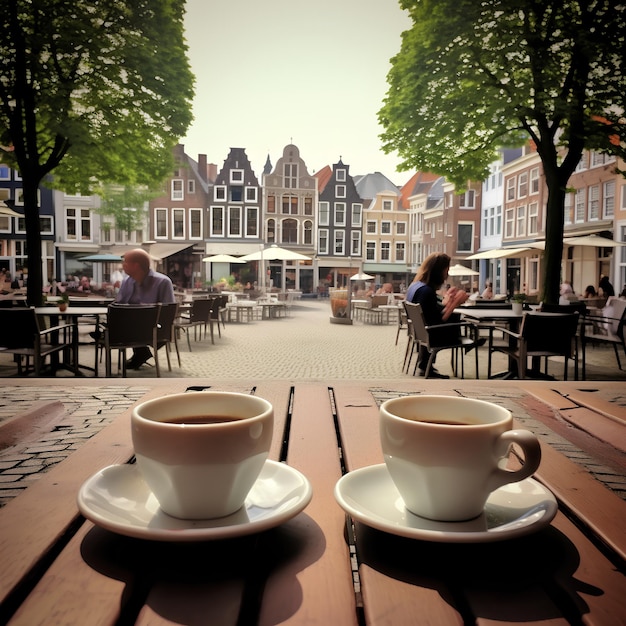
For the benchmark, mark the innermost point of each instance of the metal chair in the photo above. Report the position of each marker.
(609, 330)
(22, 335)
(541, 335)
(198, 318)
(440, 337)
(166, 334)
(129, 326)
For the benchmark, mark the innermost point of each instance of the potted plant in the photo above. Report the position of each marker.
(63, 301)
(518, 300)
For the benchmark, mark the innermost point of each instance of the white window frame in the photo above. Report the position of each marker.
(401, 228)
(472, 226)
(373, 223)
(191, 186)
(341, 175)
(339, 243)
(324, 213)
(200, 213)
(534, 180)
(236, 212)
(522, 185)
(178, 217)
(593, 200)
(340, 191)
(177, 189)
(322, 241)
(213, 211)
(385, 227)
(400, 252)
(340, 209)
(251, 194)
(160, 218)
(236, 176)
(251, 221)
(608, 199)
(357, 214)
(533, 218)
(219, 193)
(370, 247)
(355, 243)
(385, 251)
(510, 188)
(520, 221)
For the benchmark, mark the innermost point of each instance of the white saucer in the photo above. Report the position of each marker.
(118, 499)
(370, 496)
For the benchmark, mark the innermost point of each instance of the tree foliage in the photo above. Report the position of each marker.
(472, 77)
(94, 91)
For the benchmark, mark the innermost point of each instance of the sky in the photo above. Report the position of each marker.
(274, 72)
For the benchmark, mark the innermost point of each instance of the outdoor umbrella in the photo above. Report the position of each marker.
(275, 253)
(461, 270)
(362, 276)
(593, 241)
(222, 258)
(104, 257)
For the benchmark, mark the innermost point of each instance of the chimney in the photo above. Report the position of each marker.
(202, 166)
(212, 172)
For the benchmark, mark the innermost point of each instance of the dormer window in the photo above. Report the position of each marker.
(236, 177)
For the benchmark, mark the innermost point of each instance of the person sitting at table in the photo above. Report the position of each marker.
(430, 277)
(605, 287)
(567, 295)
(386, 288)
(487, 293)
(590, 292)
(143, 285)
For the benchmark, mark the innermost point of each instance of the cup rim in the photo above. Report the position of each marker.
(384, 408)
(173, 398)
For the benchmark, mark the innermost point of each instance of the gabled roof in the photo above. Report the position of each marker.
(370, 185)
(323, 176)
(420, 182)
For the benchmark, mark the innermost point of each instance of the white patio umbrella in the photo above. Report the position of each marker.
(275, 253)
(461, 270)
(362, 276)
(222, 258)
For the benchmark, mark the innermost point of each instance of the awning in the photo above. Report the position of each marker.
(382, 268)
(161, 250)
(77, 247)
(497, 253)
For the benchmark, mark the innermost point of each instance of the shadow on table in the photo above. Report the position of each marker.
(499, 581)
(210, 582)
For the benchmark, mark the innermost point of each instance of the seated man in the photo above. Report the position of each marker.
(143, 285)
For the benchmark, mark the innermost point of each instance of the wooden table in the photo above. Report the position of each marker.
(319, 567)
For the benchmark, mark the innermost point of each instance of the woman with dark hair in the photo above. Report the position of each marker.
(430, 277)
(605, 287)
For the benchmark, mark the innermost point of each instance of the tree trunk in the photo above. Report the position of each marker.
(34, 288)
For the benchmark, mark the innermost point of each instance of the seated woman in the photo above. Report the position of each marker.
(590, 292)
(487, 294)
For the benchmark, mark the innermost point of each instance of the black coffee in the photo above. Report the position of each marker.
(202, 419)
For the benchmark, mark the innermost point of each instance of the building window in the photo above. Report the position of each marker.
(400, 228)
(5, 172)
(271, 231)
(534, 180)
(217, 221)
(160, 222)
(387, 205)
(594, 202)
(178, 190)
(340, 191)
(195, 223)
(355, 246)
(400, 252)
(522, 185)
(341, 175)
(252, 221)
(580, 206)
(236, 177)
(78, 224)
(466, 201)
(220, 193)
(385, 228)
(521, 220)
(308, 232)
(371, 227)
(340, 236)
(271, 203)
(567, 208)
(357, 213)
(385, 251)
(251, 194)
(290, 176)
(236, 194)
(340, 213)
(308, 205)
(191, 186)
(465, 236)
(322, 241)
(290, 231)
(178, 223)
(533, 218)
(324, 213)
(370, 251)
(509, 222)
(290, 205)
(608, 199)
(234, 221)
(510, 188)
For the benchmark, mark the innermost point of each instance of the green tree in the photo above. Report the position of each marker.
(475, 76)
(94, 91)
(126, 204)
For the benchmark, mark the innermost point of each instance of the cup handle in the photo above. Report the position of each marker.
(532, 457)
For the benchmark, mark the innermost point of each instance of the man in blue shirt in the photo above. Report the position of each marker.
(143, 285)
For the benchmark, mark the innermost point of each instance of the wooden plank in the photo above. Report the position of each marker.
(315, 586)
(597, 425)
(389, 598)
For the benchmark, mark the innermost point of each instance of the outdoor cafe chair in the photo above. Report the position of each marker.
(22, 335)
(609, 328)
(198, 318)
(166, 334)
(437, 337)
(129, 326)
(541, 335)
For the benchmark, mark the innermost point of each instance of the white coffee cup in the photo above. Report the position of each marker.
(200, 470)
(447, 454)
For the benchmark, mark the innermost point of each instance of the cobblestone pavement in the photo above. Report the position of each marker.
(304, 345)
